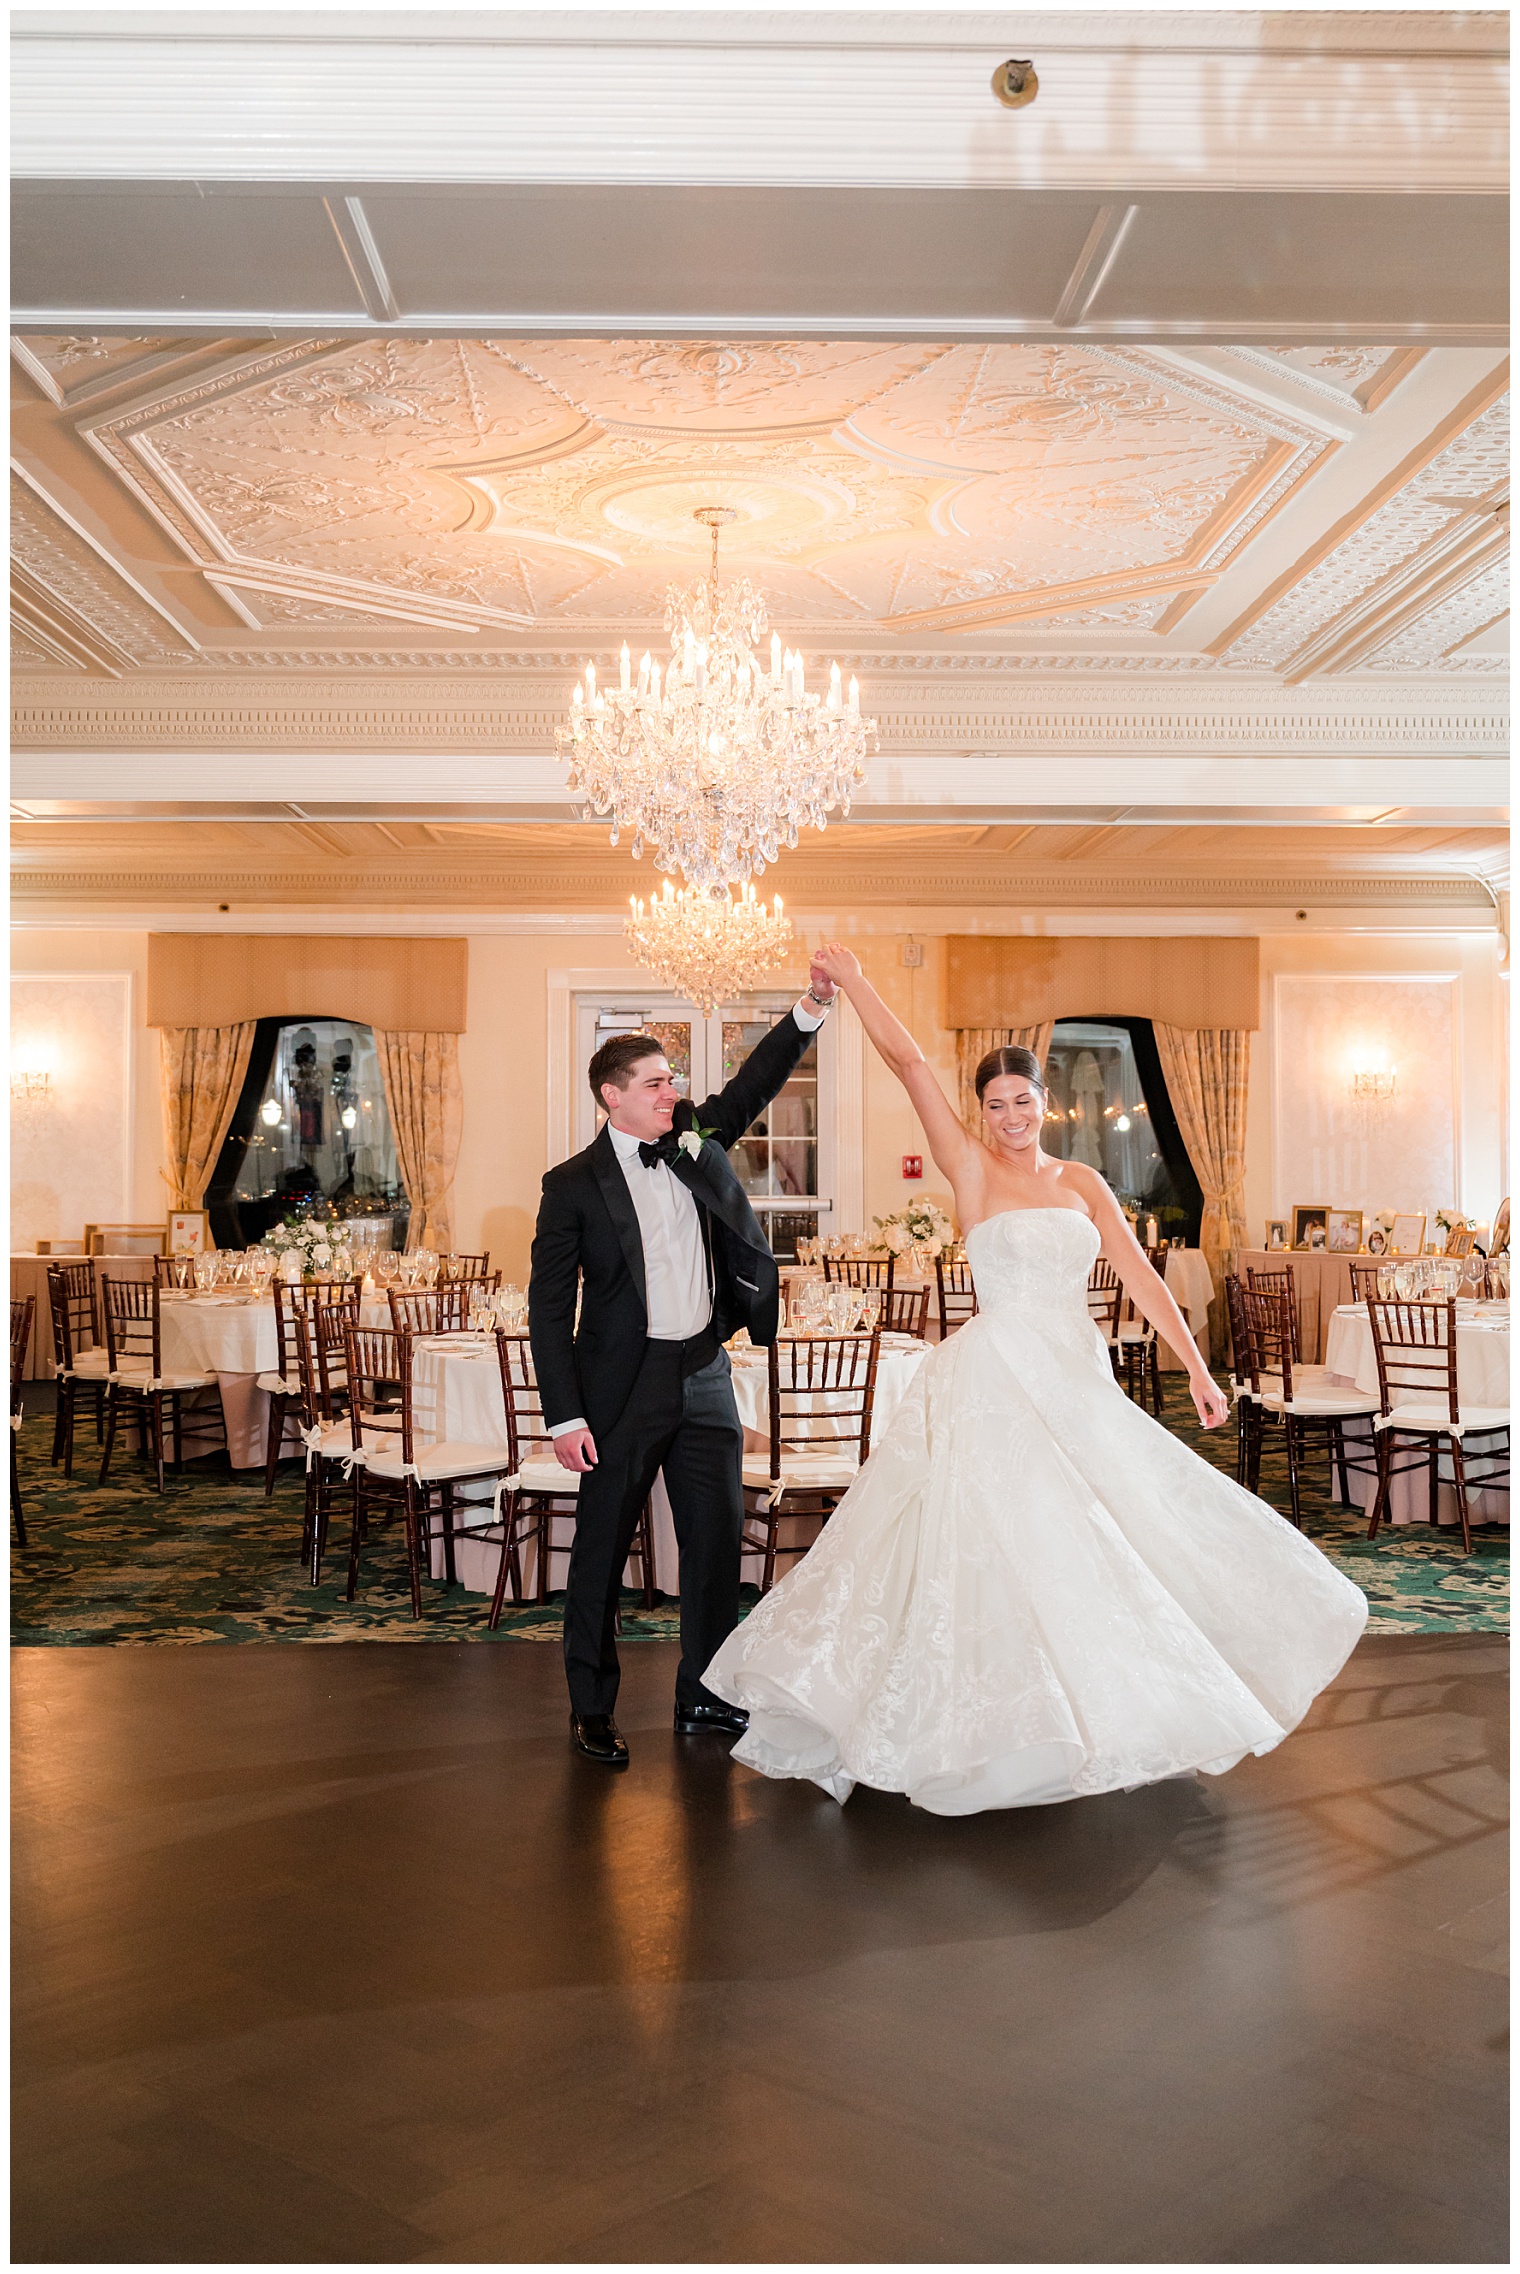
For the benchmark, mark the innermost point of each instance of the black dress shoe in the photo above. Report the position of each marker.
(598, 1737)
(727, 1720)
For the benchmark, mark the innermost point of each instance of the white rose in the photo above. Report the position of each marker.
(689, 1142)
(897, 1239)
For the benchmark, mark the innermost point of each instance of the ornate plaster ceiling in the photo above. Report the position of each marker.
(509, 491)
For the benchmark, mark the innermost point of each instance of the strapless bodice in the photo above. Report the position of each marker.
(1034, 1257)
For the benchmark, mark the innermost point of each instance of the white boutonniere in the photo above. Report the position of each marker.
(690, 1142)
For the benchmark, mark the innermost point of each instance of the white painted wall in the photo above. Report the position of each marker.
(504, 1058)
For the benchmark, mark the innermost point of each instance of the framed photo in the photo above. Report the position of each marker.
(1277, 1234)
(1498, 1238)
(189, 1232)
(1377, 1242)
(1343, 1231)
(1460, 1240)
(1311, 1226)
(1407, 1236)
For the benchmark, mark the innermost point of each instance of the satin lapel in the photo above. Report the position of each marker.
(609, 1175)
(712, 1181)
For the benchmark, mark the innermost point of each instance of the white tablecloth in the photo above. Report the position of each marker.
(236, 1340)
(456, 1393)
(901, 1356)
(1482, 1379)
(1191, 1286)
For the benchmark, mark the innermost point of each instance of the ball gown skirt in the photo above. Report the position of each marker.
(1033, 1591)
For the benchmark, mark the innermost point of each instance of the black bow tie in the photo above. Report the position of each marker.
(663, 1149)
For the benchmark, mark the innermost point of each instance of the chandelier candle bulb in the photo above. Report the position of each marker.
(623, 668)
(713, 764)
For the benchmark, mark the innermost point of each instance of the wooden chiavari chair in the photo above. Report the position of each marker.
(1300, 1406)
(139, 1388)
(1279, 1281)
(79, 1365)
(1418, 1401)
(23, 1311)
(429, 1310)
(1364, 1279)
(1104, 1295)
(956, 1291)
(905, 1310)
(860, 1270)
(822, 1390)
(416, 1478)
(466, 1267)
(285, 1385)
(545, 1492)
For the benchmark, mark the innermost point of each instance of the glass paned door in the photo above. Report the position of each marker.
(777, 1160)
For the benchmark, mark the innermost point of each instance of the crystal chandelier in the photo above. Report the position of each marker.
(720, 763)
(706, 945)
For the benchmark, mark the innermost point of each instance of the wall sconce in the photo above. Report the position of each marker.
(31, 1085)
(269, 1112)
(1371, 1090)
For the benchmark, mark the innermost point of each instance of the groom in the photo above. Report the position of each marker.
(651, 1224)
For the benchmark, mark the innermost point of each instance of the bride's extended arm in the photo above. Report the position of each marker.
(952, 1148)
(1148, 1291)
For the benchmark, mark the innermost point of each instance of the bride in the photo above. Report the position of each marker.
(1032, 1591)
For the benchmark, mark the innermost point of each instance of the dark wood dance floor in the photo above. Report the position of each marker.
(339, 1954)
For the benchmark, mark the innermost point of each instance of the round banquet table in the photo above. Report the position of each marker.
(234, 1338)
(1190, 1283)
(1482, 1379)
(456, 1393)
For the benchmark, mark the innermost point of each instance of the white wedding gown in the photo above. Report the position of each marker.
(1033, 1591)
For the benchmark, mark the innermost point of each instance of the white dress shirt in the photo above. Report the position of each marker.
(676, 1290)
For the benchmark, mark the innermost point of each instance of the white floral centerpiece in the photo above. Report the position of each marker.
(306, 1248)
(1449, 1220)
(919, 1225)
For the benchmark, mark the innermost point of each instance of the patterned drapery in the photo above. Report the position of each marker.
(1207, 1072)
(972, 1044)
(422, 1095)
(203, 1069)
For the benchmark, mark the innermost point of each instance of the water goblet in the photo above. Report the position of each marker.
(870, 1309)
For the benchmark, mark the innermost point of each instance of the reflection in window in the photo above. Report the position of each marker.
(1108, 1107)
(311, 1126)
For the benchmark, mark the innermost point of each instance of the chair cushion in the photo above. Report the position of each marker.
(1431, 1414)
(436, 1462)
(541, 1472)
(135, 1378)
(802, 1472)
(1350, 1404)
(90, 1365)
(1137, 1334)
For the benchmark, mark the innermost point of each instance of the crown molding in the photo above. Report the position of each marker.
(259, 105)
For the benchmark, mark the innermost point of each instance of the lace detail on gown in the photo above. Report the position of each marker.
(1033, 1590)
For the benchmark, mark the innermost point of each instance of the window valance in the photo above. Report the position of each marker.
(1192, 983)
(218, 979)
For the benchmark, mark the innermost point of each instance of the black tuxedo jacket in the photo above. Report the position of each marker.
(588, 1233)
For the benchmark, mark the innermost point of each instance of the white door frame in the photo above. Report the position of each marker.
(841, 1081)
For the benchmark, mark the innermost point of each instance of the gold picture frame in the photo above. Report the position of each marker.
(1276, 1241)
(1343, 1231)
(1408, 1235)
(1498, 1238)
(1311, 1217)
(188, 1232)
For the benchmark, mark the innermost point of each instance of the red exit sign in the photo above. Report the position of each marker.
(913, 1165)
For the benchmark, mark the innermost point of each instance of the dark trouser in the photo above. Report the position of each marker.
(690, 1429)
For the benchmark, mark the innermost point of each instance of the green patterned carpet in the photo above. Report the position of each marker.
(213, 1561)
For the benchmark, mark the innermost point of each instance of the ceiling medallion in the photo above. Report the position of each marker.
(707, 945)
(718, 764)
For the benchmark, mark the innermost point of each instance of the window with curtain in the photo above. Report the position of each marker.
(311, 1126)
(1109, 1106)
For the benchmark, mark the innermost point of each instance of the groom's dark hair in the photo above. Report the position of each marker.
(616, 1059)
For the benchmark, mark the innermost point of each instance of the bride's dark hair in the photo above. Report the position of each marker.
(1010, 1059)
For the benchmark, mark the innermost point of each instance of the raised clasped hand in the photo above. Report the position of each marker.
(836, 963)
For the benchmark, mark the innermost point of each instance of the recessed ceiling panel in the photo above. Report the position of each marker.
(700, 252)
(1423, 262)
(181, 249)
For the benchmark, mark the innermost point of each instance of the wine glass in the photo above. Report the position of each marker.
(870, 1309)
(205, 1271)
